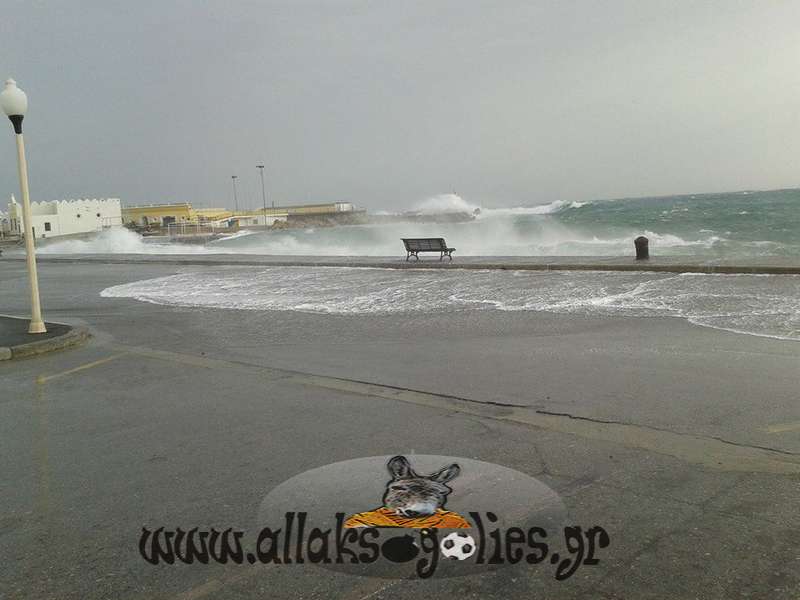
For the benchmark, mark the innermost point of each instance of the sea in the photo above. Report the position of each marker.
(731, 225)
(747, 225)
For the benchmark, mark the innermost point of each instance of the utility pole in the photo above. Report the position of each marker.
(264, 194)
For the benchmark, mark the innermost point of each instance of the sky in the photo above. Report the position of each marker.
(386, 103)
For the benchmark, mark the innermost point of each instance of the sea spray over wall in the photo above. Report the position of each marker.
(731, 226)
(444, 203)
(116, 240)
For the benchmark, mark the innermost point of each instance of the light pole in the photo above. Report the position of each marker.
(15, 105)
(263, 193)
(235, 199)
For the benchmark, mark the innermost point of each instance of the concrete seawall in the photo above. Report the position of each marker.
(766, 266)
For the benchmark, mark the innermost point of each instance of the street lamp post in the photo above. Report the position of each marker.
(263, 193)
(15, 105)
(235, 199)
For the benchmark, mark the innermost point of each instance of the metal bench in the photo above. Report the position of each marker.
(416, 245)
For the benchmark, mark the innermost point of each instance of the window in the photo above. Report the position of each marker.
(46, 226)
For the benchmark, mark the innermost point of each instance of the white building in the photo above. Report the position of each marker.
(66, 217)
(5, 224)
(260, 220)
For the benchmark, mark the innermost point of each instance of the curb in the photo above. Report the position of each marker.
(652, 265)
(75, 336)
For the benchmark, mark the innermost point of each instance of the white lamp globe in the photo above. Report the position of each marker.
(13, 100)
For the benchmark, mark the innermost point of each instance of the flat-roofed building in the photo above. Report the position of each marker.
(212, 214)
(307, 209)
(66, 217)
(176, 214)
(159, 214)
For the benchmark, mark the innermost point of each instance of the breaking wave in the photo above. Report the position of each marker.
(714, 226)
(444, 203)
(116, 240)
(450, 203)
(486, 236)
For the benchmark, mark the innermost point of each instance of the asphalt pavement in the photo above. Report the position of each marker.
(683, 443)
(14, 331)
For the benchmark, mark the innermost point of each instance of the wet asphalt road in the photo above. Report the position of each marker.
(682, 442)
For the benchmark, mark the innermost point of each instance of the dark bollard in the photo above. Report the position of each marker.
(642, 249)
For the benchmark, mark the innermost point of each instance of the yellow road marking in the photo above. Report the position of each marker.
(45, 378)
(782, 427)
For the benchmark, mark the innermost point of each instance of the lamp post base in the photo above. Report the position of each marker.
(37, 327)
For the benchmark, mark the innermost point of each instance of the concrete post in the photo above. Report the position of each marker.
(642, 248)
(37, 324)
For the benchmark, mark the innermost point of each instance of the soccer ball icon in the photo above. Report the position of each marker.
(458, 545)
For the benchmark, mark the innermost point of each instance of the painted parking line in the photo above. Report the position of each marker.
(94, 363)
(782, 427)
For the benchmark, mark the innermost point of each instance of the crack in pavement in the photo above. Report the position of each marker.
(709, 451)
(654, 428)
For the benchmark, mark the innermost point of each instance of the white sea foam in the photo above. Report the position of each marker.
(560, 228)
(444, 203)
(766, 306)
(542, 209)
(239, 234)
(489, 237)
(495, 233)
(116, 240)
(447, 203)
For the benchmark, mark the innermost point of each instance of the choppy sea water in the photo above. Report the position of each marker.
(763, 305)
(730, 226)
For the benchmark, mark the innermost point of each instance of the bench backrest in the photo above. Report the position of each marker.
(417, 244)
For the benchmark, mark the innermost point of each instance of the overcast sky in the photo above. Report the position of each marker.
(387, 103)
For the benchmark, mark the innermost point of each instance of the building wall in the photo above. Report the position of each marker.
(256, 221)
(157, 214)
(66, 217)
(212, 214)
(306, 209)
(317, 209)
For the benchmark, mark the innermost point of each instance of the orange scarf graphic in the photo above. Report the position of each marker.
(386, 517)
